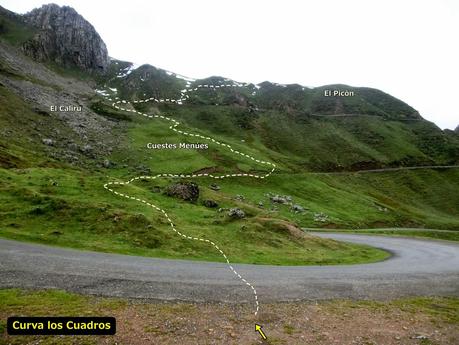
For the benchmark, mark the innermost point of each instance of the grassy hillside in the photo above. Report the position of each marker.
(53, 166)
(297, 126)
(13, 28)
(70, 208)
(322, 143)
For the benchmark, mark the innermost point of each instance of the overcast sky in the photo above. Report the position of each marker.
(409, 49)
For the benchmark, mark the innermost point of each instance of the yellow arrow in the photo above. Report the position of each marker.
(259, 330)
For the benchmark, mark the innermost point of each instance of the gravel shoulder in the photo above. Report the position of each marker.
(414, 321)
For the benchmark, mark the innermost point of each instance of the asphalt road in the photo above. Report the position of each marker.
(417, 267)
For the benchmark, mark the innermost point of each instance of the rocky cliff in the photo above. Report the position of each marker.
(66, 38)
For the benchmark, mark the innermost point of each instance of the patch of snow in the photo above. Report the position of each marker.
(134, 66)
(128, 70)
(179, 76)
(113, 89)
(102, 92)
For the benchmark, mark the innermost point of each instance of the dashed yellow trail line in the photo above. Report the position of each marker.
(119, 104)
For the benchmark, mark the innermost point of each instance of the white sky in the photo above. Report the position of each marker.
(408, 48)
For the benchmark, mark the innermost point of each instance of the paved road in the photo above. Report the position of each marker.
(417, 267)
(419, 167)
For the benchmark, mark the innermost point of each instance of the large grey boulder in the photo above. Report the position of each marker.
(187, 191)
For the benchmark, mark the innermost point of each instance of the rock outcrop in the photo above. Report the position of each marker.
(187, 191)
(236, 213)
(210, 203)
(66, 38)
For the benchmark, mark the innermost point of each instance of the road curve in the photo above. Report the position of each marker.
(417, 267)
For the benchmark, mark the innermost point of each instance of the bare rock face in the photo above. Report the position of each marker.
(66, 38)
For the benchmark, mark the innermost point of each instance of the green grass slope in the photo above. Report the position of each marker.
(297, 126)
(13, 28)
(47, 200)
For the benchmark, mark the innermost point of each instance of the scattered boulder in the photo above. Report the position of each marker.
(297, 208)
(47, 141)
(156, 189)
(239, 197)
(86, 148)
(419, 336)
(143, 169)
(107, 164)
(72, 146)
(40, 111)
(188, 191)
(214, 186)
(320, 217)
(281, 199)
(210, 203)
(381, 208)
(236, 213)
(260, 204)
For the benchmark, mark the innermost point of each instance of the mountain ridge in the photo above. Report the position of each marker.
(309, 130)
(288, 97)
(66, 38)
